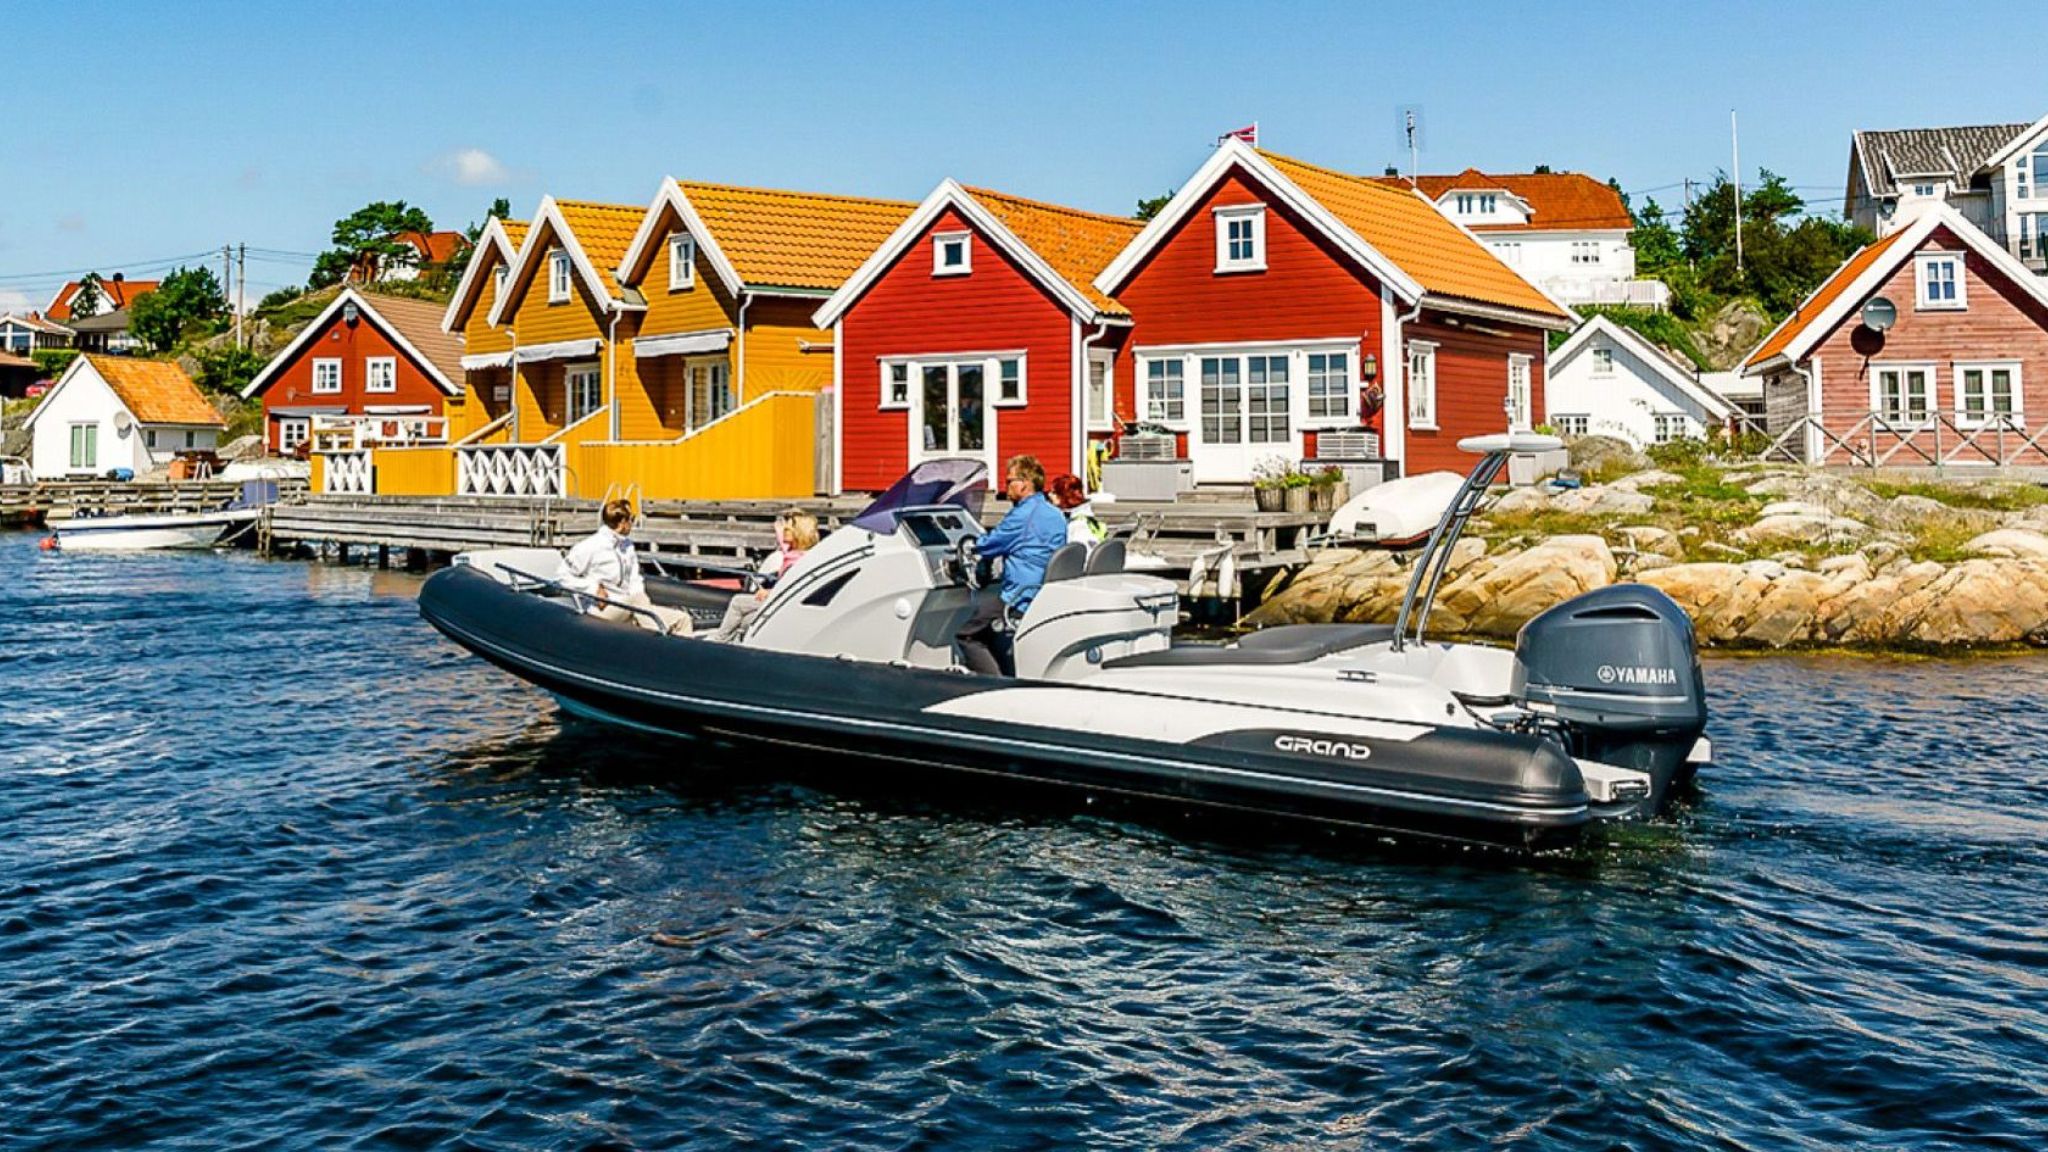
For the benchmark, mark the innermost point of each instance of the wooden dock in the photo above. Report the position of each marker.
(429, 529)
(57, 499)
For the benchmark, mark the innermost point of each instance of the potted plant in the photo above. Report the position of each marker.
(1297, 485)
(1269, 485)
(1330, 491)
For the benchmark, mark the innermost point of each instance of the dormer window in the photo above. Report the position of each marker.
(682, 262)
(498, 280)
(1923, 190)
(952, 253)
(1241, 238)
(1939, 282)
(558, 277)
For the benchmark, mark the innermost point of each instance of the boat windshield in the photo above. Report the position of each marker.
(960, 483)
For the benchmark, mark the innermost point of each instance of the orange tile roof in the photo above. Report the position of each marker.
(1418, 238)
(783, 239)
(515, 232)
(155, 391)
(1078, 245)
(603, 231)
(1830, 291)
(119, 294)
(1558, 201)
(434, 247)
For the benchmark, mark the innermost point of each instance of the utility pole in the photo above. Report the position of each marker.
(1688, 213)
(227, 272)
(1413, 165)
(241, 289)
(1735, 144)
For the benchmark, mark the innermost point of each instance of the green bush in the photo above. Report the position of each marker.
(53, 361)
(1682, 453)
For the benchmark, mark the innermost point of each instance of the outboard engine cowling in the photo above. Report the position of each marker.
(1619, 670)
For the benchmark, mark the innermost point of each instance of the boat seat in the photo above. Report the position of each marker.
(1070, 562)
(1106, 559)
(1287, 644)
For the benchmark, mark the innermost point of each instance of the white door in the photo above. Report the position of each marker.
(1244, 416)
(950, 413)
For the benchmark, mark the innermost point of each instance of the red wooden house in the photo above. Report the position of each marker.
(1270, 297)
(974, 330)
(380, 362)
(1927, 348)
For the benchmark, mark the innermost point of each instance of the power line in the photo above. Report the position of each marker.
(124, 265)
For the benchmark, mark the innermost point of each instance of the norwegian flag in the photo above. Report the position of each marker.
(1249, 134)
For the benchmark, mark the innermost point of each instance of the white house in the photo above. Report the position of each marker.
(23, 333)
(109, 412)
(1564, 230)
(1995, 175)
(1607, 380)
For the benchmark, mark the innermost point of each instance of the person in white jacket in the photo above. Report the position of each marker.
(603, 567)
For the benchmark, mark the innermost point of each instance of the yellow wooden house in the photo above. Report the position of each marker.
(486, 348)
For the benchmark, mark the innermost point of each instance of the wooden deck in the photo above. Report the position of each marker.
(57, 499)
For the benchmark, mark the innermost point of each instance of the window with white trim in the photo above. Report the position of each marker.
(682, 262)
(1101, 399)
(326, 377)
(585, 385)
(1421, 384)
(292, 432)
(1987, 393)
(1923, 190)
(380, 374)
(1668, 426)
(498, 280)
(1165, 391)
(1902, 394)
(1509, 251)
(1938, 278)
(1573, 424)
(1010, 381)
(558, 276)
(2037, 166)
(85, 446)
(1329, 385)
(191, 439)
(1267, 404)
(1603, 361)
(149, 438)
(2034, 236)
(952, 253)
(895, 385)
(1520, 402)
(711, 391)
(1241, 238)
(2019, 176)
(1585, 251)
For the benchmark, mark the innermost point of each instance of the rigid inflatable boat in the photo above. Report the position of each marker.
(1597, 714)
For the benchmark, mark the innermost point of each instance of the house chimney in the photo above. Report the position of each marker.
(120, 276)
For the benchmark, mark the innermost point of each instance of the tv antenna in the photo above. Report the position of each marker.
(1408, 128)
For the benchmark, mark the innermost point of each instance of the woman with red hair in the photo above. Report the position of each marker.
(1070, 497)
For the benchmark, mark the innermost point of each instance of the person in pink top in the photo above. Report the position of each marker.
(796, 532)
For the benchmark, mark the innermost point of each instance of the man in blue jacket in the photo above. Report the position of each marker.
(1026, 540)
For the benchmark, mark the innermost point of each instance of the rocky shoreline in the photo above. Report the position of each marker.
(1763, 558)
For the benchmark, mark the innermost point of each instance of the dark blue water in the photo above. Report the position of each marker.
(281, 869)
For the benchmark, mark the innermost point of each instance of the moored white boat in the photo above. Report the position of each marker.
(142, 533)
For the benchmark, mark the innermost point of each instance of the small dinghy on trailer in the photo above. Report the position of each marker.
(1360, 726)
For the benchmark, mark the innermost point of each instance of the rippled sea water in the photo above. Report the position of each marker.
(281, 868)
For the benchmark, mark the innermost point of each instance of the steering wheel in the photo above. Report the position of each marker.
(967, 559)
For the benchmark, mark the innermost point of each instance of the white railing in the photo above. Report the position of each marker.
(348, 473)
(1612, 293)
(1903, 440)
(511, 470)
(352, 433)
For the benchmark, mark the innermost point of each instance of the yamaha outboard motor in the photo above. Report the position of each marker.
(1619, 671)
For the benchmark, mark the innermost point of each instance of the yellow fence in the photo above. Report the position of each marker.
(765, 450)
(316, 480)
(423, 471)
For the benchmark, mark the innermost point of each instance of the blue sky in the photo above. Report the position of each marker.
(136, 133)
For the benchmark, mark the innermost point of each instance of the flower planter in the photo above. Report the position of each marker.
(1270, 499)
(1297, 500)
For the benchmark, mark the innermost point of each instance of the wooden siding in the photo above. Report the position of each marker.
(1309, 291)
(2001, 323)
(777, 329)
(414, 471)
(292, 387)
(704, 305)
(910, 312)
(479, 406)
(1471, 386)
(479, 336)
(763, 450)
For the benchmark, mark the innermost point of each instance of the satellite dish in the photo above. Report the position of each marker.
(122, 422)
(1880, 314)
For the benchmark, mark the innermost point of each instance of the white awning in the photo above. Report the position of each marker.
(483, 360)
(683, 343)
(565, 350)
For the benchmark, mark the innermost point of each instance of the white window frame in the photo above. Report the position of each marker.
(1228, 214)
(558, 276)
(682, 262)
(389, 368)
(1422, 410)
(2017, 418)
(940, 265)
(1522, 409)
(1102, 417)
(571, 410)
(90, 437)
(1346, 394)
(889, 370)
(1586, 252)
(293, 431)
(721, 396)
(498, 275)
(995, 381)
(952, 363)
(1666, 427)
(1922, 266)
(330, 367)
(1572, 423)
(1158, 409)
(1603, 361)
(1904, 414)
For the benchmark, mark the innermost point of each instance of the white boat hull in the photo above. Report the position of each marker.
(144, 533)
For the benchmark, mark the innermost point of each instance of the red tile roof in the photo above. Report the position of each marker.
(118, 293)
(434, 247)
(1558, 201)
